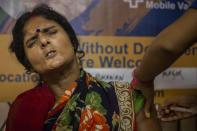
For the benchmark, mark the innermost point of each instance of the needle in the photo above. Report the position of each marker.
(181, 109)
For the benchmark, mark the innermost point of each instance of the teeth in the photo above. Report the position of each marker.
(50, 53)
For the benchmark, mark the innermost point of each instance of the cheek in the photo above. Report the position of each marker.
(66, 47)
(68, 52)
(34, 58)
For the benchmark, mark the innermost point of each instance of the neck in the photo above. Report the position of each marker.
(60, 79)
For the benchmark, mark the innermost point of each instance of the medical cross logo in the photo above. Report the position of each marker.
(133, 3)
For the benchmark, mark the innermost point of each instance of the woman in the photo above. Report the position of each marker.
(67, 97)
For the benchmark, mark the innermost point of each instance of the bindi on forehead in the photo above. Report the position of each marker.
(38, 30)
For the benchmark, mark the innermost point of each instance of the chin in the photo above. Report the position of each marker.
(62, 65)
(57, 64)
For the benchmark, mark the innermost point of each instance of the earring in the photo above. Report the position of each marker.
(28, 72)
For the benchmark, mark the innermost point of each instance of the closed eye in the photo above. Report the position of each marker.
(30, 42)
(51, 32)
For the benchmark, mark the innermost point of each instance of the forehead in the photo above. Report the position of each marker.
(38, 22)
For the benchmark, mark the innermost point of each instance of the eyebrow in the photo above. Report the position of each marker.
(43, 30)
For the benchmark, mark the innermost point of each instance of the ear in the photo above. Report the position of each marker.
(78, 58)
(79, 55)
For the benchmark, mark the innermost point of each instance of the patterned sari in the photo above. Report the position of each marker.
(90, 104)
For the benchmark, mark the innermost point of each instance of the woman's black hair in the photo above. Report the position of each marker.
(47, 12)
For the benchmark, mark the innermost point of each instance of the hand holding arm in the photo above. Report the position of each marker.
(178, 107)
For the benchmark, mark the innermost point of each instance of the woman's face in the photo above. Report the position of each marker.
(47, 45)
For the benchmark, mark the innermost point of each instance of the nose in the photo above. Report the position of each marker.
(44, 41)
(44, 44)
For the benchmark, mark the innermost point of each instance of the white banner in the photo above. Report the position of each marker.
(172, 78)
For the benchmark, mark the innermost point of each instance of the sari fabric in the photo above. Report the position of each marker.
(91, 104)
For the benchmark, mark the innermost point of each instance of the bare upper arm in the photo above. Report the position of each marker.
(181, 34)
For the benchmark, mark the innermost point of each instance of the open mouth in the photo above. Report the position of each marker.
(50, 54)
